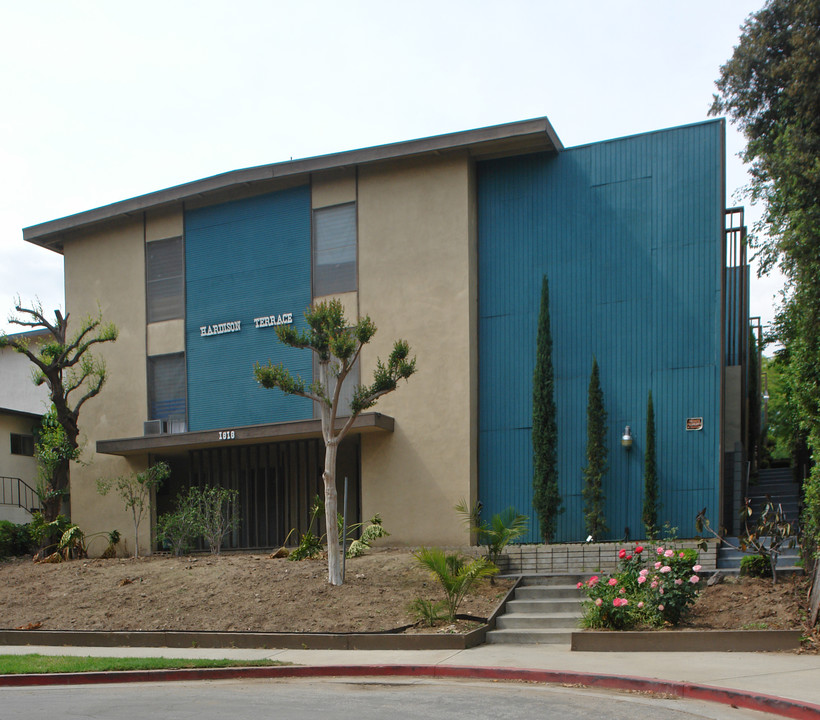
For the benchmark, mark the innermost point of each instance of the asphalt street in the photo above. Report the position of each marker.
(348, 700)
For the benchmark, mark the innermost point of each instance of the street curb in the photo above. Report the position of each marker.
(783, 707)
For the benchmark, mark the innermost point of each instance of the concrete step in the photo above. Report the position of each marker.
(551, 580)
(518, 621)
(531, 636)
(546, 592)
(544, 607)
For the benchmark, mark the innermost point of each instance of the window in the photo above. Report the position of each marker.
(334, 250)
(167, 391)
(22, 444)
(164, 277)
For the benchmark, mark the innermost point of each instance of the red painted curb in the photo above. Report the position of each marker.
(692, 691)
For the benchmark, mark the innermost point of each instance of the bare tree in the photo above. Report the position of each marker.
(73, 375)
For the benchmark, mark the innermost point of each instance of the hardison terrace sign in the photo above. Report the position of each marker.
(236, 325)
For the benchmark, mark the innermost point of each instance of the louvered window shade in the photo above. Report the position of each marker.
(167, 390)
(164, 279)
(348, 386)
(334, 250)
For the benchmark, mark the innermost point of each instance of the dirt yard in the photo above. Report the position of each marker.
(241, 592)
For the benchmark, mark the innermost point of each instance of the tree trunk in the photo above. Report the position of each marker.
(334, 552)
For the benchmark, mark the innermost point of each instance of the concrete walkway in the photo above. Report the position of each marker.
(780, 675)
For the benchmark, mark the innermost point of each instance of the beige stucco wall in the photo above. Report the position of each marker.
(417, 282)
(17, 466)
(106, 271)
(166, 337)
(333, 188)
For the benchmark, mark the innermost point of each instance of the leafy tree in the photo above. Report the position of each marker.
(51, 450)
(546, 496)
(593, 491)
(73, 375)
(650, 475)
(771, 89)
(336, 345)
(135, 491)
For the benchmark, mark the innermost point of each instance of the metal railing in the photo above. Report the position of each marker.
(13, 491)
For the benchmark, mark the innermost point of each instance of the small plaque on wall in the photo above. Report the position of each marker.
(694, 423)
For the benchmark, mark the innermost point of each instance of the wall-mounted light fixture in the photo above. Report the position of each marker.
(626, 438)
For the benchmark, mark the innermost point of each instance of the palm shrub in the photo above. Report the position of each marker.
(455, 573)
(503, 528)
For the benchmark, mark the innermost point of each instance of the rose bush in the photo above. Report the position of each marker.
(642, 592)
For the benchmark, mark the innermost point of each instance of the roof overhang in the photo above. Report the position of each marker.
(180, 443)
(526, 136)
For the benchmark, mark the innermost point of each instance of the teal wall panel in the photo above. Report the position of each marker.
(629, 234)
(245, 259)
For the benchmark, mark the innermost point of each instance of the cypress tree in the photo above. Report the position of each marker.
(546, 497)
(650, 475)
(593, 491)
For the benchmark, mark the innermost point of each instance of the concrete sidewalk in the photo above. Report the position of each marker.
(789, 676)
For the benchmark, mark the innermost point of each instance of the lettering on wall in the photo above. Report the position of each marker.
(220, 328)
(236, 325)
(271, 320)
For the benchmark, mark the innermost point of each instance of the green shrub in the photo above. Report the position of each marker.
(646, 589)
(756, 566)
(177, 530)
(15, 540)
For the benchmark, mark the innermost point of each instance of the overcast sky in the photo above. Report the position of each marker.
(107, 100)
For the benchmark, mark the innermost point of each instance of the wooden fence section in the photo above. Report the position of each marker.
(577, 558)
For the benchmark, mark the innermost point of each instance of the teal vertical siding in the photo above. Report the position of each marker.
(245, 259)
(629, 234)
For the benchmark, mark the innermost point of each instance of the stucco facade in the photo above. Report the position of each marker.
(425, 218)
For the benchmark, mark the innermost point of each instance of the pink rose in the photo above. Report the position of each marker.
(640, 604)
(694, 579)
(593, 581)
(658, 565)
(580, 585)
(622, 590)
(678, 581)
(599, 602)
(660, 590)
(654, 584)
(696, 568)
(644, 572)
(641, 579)
(622, 554)
(639, 549)
(612, 581)
(669, 553)
(660, 607)
(666, 569)
(659, 550)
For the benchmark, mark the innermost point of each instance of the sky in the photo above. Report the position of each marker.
(104, 101)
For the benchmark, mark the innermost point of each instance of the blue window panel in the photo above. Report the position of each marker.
(629, 234)
(243, 260)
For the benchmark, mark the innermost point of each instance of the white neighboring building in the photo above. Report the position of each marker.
(22, 404)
